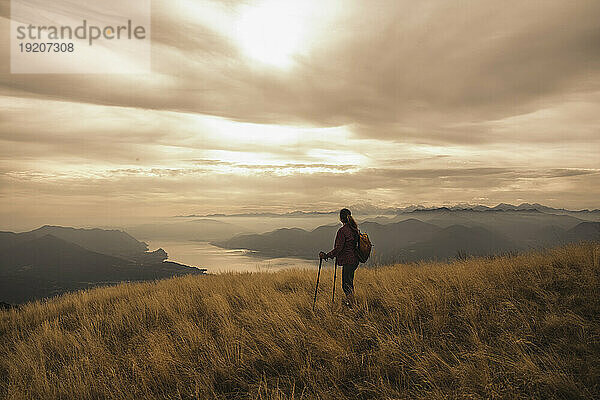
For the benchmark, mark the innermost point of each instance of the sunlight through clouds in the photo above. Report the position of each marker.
(270, 32)
(273, 31)
(264, 104)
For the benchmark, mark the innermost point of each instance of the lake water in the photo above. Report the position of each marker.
(217, 260)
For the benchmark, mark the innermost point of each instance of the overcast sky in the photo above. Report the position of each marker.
(313, 105)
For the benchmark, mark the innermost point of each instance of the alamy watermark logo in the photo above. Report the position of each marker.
(80, 36)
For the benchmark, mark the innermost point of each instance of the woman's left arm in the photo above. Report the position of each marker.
(338, 246)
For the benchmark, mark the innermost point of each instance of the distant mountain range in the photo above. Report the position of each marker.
(367, 209)
(52, 260)
(203, 229)
(499, 207)
(436, 234)
(112, 242)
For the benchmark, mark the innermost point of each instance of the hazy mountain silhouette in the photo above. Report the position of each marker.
(204, 229)
(36, 265)
(454, 234)
(584, 231)
(301, 243)
(398, 234)
(457, 241)
(285, 242)
(8, 239)
(51, 257)
(550, 235)
(370, 209)
(520, 226)
(112, 242)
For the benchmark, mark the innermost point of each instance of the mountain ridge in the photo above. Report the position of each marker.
(413, 239)
(37, 264)
(372, 210)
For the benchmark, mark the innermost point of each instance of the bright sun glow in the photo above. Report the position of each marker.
(273, 31)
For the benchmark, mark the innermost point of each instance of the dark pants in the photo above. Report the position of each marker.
(348, 278)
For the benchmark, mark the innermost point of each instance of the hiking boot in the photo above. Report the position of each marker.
(350, 300)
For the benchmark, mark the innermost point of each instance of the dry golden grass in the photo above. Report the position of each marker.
(525, 327)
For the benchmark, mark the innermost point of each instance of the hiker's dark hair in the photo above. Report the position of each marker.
(346, 217)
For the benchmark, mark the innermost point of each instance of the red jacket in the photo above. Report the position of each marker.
(345, 244)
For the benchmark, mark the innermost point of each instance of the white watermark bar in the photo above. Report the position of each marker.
(83, 36)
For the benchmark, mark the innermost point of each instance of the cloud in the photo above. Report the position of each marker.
(398, 63)
(190, 187)
(388, 101)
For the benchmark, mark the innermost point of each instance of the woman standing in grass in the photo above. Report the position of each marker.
(344, 253)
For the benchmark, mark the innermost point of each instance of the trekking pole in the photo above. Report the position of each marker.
(334, 274)
(317, 286)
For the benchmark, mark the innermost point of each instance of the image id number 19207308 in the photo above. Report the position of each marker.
(46, 47)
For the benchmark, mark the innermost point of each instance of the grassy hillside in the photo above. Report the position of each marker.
(526, 326)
